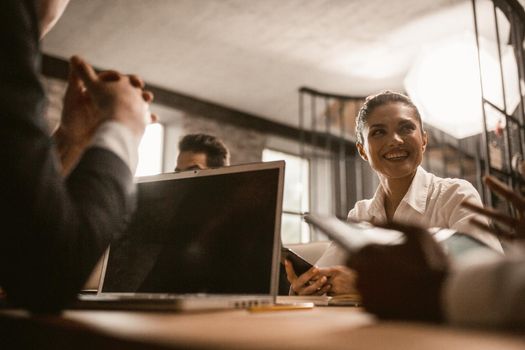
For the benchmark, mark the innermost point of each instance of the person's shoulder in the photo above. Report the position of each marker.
(363, 204)
(360, 209)
(453, 182)
(451, 185)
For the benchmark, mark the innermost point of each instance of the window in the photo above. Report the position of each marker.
(150, 151)
(296, 196)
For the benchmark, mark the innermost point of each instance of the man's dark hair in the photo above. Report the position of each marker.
(380, 99)
(217, 155)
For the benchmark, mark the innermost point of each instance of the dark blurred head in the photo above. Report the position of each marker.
(201, 151)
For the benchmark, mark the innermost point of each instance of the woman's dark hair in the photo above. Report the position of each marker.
(380, 99)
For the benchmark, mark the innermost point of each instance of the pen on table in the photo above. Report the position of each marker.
(281, 307)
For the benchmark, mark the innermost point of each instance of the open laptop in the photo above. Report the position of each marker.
(199, 239)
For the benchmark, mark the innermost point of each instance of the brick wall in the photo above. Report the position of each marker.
(245, 145)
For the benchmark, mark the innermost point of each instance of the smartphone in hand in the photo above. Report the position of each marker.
(300, 265)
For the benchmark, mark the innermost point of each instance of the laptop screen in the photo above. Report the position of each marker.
(210, 231)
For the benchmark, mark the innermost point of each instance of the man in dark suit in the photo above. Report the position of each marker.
(54, 228)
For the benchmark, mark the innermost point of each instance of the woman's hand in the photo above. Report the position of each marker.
(340, 278)
(309, 283)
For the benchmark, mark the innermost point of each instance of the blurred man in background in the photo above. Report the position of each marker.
(201, 151)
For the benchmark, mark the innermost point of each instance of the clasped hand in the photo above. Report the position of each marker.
(92, 98)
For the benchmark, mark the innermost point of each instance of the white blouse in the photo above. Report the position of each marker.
(430, 202)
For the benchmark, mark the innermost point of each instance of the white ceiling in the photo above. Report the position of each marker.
(253, 55)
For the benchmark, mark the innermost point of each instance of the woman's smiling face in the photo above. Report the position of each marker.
(393, 141)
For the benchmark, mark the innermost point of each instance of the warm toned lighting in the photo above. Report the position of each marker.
(445, 84)
(150, 151)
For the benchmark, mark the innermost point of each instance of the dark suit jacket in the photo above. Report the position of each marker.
(52, 230)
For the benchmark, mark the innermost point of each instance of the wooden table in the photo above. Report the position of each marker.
(319, 328)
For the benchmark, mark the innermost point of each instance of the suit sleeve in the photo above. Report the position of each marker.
(53, 230)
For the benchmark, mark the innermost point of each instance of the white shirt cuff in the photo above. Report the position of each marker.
(118, 139)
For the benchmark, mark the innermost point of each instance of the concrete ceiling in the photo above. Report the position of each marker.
(253, 55)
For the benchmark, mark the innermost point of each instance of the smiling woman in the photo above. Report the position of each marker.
(391, 138)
